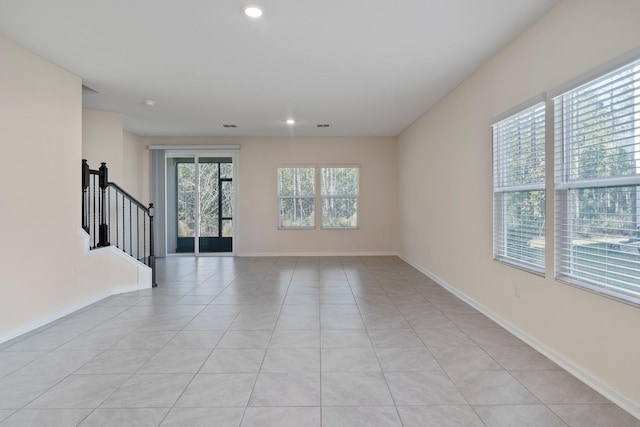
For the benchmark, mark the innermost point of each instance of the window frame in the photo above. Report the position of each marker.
(339, 196)
(294, 197)
(502, 189)
(564, 259)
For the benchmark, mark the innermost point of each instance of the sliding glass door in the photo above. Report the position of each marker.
(199, 204)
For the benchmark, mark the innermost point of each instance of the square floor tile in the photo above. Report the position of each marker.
(465, 359)
(42, 341)
(282, 417)
(4, 413)
(559, 387)
(423, 388)
(344, 338)
(217, 390)
(80, 391)
(491, 388)
(355, 389)
(116, 362)
(298, 321)
(149, 391)
(175, 361)
(486, 337)
(196, 339)
(58, 362)
(428, 320)
(521, 415)
(406, 359)
(349, 360)
(341, 321)
(46, 417)
(13, 360)
(440, 415)
(595, 415)
(286, 389)
(144, 340)
(204, 417)
(295, 339)
(291, 360)
(234, 360)
(150, 417)
(451, 337)
(360, 416)
(395, 338)
(245, 339)
(210, 323)
(520, 358)
(18, 390)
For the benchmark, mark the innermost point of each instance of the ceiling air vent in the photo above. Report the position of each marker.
(229, 126)
(324, 125)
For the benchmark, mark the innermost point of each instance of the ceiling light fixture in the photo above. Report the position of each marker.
(252, 11)
(149, 103)
(291, 122)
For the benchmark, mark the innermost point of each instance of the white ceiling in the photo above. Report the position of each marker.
(366, 67)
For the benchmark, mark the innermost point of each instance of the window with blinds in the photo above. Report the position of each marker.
(597, 183)
(519, 189)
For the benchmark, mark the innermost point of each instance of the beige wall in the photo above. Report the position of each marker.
(44, 270)
(257, 200)
(445, 195)
(102, 141)
(105, 140)
(133, 163)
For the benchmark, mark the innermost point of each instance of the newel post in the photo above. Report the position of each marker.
(103, 230)
(85, 186)
(152, 257)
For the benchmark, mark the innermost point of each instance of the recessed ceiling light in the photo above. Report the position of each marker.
(149, 103)
(252, 11)
(291, 122)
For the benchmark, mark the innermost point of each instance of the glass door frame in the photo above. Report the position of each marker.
(196, 154)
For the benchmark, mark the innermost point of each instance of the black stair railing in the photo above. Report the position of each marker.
(111, 216)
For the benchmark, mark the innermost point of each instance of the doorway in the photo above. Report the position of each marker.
(200, 200)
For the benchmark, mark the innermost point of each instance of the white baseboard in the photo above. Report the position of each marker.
(312, 254)
(598, 385)
(144, 275)
(51, 317)
(58, 314)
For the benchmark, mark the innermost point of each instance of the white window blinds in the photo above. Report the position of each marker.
(597, 182)
(519, 189)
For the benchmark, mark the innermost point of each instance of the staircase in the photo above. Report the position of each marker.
(112, 217)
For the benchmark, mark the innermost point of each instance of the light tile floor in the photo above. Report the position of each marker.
(353, 341)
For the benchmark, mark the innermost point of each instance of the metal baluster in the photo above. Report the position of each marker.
(116, 215)
(144, 237)
(130, 230)
(138, 232)
(124, 242)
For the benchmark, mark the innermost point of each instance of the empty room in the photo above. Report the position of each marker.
(338, 213)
